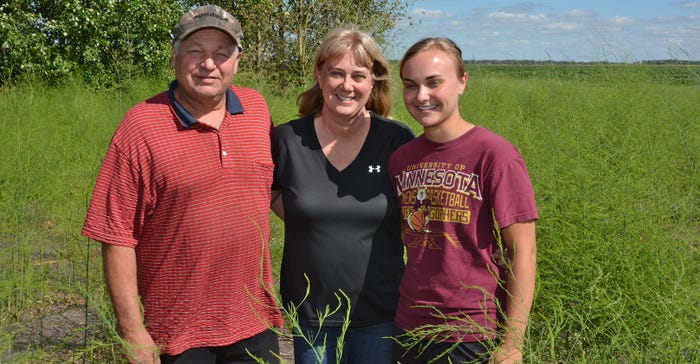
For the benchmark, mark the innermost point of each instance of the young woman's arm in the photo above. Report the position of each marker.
(520, 241)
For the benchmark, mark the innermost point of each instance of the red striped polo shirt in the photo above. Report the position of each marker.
(193, 202)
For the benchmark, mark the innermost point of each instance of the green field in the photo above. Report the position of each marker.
(613, 152)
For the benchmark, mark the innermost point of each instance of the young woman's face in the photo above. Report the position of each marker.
(431, 88)
(345, 85)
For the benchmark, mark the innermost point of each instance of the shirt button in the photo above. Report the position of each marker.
(224, 153)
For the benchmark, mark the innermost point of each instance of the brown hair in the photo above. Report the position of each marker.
(337, 43)
(443, 44)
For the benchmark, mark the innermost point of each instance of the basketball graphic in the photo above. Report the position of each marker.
(416, 220)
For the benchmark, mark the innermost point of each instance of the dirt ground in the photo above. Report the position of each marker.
(60, 333)
(63, 333)
(287, 350)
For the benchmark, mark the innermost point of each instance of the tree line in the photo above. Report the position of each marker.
(106, 41)
(526, 62)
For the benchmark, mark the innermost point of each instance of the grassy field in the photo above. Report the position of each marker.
(613, 152)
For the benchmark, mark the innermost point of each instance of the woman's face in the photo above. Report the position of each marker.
(431, 88)
(345, 85)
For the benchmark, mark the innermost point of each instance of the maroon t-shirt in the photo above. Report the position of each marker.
(452, 196)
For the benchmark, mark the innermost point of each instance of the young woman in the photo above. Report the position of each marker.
(341, 215)
(466, 293)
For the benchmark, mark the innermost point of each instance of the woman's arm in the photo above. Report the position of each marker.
(520, 241)
(276, 204)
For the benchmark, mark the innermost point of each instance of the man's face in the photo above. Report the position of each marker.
(205, 64)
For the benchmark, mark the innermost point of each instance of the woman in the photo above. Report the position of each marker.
(342, 241)
(466, 293)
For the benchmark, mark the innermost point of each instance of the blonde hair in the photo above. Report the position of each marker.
(443, 44)
(338, 43)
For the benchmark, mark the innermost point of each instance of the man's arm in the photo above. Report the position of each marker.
(520, 241)
(120, 274)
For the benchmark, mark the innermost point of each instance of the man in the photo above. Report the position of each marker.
(181, 205)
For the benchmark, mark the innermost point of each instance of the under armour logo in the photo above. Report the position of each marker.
(374, 169)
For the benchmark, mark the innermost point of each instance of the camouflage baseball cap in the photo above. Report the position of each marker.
(208, 16)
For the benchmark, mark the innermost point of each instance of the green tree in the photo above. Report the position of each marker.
(281, 36)
(105, 41)
(102, 40)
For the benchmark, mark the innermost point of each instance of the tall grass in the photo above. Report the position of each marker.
(612, 151)
(614, 162)
(52, 145)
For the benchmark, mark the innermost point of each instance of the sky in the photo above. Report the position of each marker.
(580, 31)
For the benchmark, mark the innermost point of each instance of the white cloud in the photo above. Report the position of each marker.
(659, 30)
(516, 16)
(431, 14)
(563, 26)
(578, 13)
(620, 20)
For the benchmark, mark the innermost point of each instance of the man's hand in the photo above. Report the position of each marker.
(140, 348)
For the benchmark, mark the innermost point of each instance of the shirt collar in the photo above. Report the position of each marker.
(233, 106)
